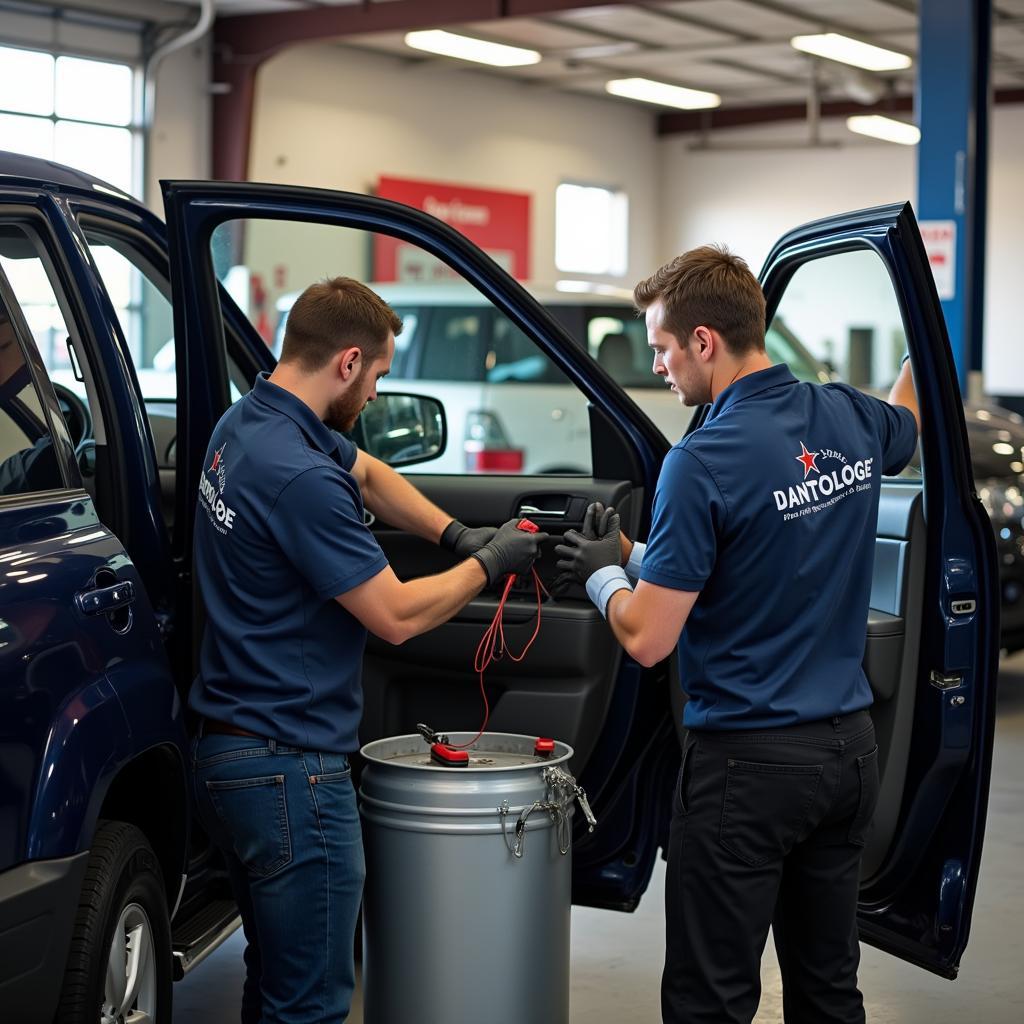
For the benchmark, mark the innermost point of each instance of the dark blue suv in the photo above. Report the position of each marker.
(108, 891)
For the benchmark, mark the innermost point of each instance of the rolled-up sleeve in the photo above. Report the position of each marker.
(689, 515)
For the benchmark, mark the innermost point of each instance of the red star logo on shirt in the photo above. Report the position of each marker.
(807, 458)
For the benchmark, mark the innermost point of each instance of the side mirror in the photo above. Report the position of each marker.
(402, 429)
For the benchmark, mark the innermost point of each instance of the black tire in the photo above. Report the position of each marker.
(123, 876)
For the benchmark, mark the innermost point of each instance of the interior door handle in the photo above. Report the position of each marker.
(549, 513)
(104, 600)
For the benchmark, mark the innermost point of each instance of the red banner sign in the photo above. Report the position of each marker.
(499, 222)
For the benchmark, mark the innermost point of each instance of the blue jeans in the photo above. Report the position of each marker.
(287, 822)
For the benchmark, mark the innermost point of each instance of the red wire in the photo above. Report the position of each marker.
(492, 647)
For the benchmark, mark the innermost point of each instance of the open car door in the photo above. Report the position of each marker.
(857, 290)
(261, 242)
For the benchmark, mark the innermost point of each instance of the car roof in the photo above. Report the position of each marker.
(446, 293)
(48, 172)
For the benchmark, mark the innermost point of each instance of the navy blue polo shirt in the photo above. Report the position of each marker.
(770, 510)
(279, 534)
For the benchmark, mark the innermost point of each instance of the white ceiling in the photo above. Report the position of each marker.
(737, 48)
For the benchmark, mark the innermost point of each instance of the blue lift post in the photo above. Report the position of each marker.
(953, 102)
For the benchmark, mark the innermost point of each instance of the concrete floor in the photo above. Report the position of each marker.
(616, 958)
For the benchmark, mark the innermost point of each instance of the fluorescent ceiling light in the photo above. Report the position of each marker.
(448, 44)
(666, 95)
(851, 51)
(885, 128)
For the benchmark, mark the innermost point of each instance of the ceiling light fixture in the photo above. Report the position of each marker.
(886, 128)
(449, 44)
(851, 51)
(649, 91)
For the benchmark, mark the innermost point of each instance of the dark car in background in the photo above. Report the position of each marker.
(996, 437)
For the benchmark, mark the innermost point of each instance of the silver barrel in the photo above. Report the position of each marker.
(469, 882)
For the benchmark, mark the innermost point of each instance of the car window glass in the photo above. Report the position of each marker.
(514, 357)
(22, 262)
(141, 298)
(30, 274)
(145, 314)
(839, 319)
(454, 345)
(618, 341)
(28, 456)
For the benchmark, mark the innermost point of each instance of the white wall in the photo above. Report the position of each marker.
(747, 198)
(338, 118)
(1003, 358)
(180, 137)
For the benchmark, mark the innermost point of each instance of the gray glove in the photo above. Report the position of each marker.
(580, 555)
(465, 540)
(509, 551)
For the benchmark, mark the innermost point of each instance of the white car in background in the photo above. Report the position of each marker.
(509, 408)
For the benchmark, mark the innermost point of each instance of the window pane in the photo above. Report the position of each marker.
(28, 459)
(146, 318)
(839, 319)
(32, 288)
(96, 149)
(93, 90)
(591, 226)
(509, 408)
(26, 82)
(32, 136)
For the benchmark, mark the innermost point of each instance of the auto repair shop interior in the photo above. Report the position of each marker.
(502, 173)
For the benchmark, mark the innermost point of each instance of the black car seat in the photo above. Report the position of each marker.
(615, 354)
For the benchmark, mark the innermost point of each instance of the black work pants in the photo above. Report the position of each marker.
(768, 829)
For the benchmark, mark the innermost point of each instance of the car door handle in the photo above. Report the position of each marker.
(549, 513)
(104, 600)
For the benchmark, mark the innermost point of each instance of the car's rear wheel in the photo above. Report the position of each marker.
(119, 965)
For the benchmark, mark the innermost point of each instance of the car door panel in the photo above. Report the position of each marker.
(932, 638)
(564, 687)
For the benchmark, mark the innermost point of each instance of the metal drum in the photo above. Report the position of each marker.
(469, 883)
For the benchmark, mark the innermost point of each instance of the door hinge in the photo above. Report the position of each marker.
(946, 680)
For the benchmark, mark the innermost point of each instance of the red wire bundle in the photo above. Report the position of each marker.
(492, 648)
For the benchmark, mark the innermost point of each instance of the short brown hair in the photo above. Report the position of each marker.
(333, 315)
(712, 287)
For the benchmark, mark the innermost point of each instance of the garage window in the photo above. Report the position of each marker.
(591, 229)
(76, 111)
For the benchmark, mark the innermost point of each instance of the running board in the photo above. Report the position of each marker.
(194, 940)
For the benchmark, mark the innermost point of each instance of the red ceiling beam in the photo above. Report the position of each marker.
(737, 117)
(742, 117)
(243, 43)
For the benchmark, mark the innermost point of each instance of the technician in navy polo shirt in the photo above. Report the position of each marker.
(292, 579)
(761, 546)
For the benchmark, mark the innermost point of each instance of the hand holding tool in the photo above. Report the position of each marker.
(512, 550)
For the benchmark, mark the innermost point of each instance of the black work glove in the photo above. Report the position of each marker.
(464, 540)
(509, 551)
(580, 555)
